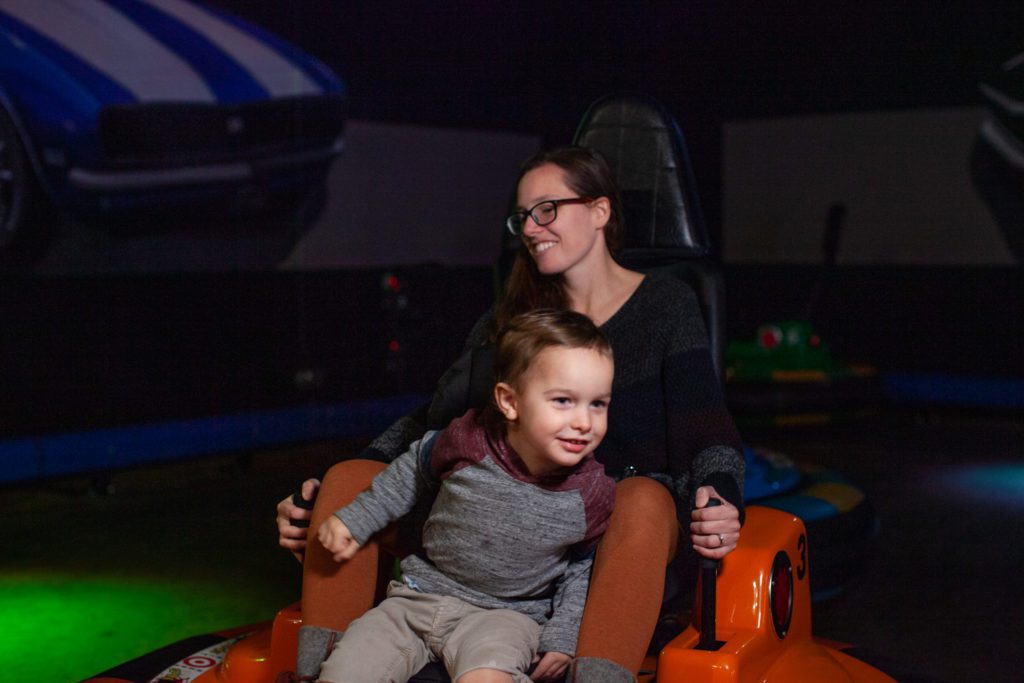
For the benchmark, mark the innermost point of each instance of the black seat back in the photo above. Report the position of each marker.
(664, 227)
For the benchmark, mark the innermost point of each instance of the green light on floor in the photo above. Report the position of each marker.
(65, 628)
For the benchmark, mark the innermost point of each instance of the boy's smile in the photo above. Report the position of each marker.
(558, 412)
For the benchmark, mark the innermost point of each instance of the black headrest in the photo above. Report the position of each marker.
(647, 152)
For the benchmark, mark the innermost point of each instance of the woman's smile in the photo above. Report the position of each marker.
(541, 247)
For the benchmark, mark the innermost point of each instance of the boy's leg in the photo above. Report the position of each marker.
(627, 582)
(483, 644)
(485, 676)
(385, 645)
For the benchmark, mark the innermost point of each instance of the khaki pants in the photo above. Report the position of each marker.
(394, 640)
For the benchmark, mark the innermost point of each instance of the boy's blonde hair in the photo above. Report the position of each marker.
(527, 334)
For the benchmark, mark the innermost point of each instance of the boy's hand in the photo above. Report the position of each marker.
(336, 537)
(714, 531)
(551, 667)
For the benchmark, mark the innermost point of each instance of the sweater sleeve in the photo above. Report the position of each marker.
(396, 439)
(561, 631)
(704, 447)
(391, 495)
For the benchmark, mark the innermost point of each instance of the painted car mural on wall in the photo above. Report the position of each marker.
(110, 105)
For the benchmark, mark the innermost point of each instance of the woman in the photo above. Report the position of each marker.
(667, 421)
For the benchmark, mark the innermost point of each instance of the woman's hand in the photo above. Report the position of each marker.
(551, 667)
(338, 540)
(714, 531)
(289, 536)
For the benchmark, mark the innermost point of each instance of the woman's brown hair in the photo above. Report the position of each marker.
(588, 175)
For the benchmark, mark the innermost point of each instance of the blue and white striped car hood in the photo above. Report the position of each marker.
(163, 51)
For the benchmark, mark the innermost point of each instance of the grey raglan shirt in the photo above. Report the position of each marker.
(497, 536)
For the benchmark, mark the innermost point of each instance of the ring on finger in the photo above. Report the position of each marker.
(721, 539)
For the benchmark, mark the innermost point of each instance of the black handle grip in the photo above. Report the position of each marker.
(300, 502)
(707, 562)
(708, 578)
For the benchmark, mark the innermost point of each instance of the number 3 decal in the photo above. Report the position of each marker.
(801, 545)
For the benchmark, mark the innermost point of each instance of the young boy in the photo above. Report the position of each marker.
(510, 538)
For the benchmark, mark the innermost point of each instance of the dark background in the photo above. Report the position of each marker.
(536, 66)
(78, 352)
(83, 352)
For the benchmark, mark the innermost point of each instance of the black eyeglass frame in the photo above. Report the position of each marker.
(521, 217)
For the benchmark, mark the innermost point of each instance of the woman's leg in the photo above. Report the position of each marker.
(628, 578)
(335, 594)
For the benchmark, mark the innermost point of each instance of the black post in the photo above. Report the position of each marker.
(708, 579)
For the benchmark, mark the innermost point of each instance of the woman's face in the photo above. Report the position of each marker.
(575, 238)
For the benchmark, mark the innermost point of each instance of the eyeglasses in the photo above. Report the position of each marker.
(542, 213)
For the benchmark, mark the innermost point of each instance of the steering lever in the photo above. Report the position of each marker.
(708, 579)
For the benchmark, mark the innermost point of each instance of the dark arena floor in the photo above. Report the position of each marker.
(93, 573)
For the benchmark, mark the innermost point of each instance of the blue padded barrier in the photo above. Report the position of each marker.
(57, 455)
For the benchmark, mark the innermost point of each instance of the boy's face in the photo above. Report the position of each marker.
(558, 412)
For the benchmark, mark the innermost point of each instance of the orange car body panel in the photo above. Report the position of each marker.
(752, 651)
(261, 656)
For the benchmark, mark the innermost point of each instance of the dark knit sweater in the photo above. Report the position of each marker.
(667, 418)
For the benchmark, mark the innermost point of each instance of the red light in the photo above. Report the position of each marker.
(780, 599)
(392, 283)
(394, 346)
(771, 337)
(780, 594)
(814, 341)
